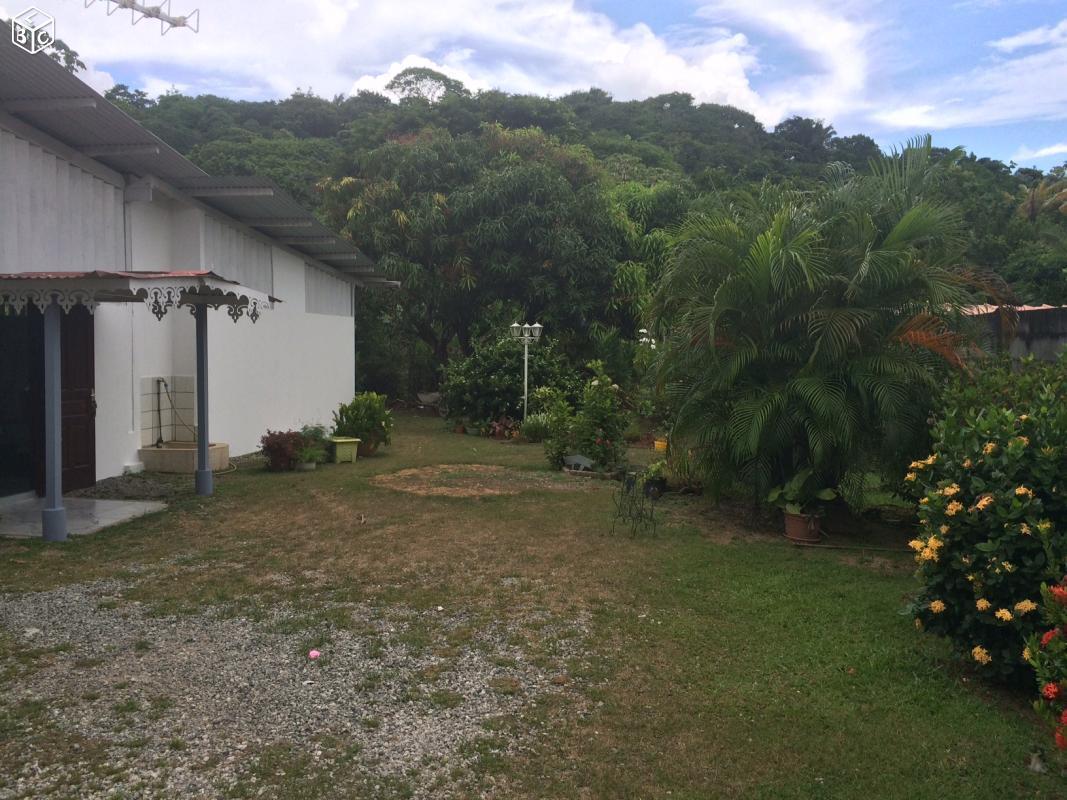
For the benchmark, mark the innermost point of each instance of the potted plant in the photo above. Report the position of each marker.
(365, 418)
(654, 479)
(281, 449)
(799, 498)
(310, 456)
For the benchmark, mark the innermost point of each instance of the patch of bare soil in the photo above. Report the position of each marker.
(472, 480)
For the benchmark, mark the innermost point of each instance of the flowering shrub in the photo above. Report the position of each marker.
(1047, 654)
(595, 430)
(598, 427)
(993, 522)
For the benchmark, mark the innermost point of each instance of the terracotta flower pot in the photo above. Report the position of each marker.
(803, 529)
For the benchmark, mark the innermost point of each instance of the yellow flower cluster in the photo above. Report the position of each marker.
(1025, 606)
(954, 508)
(982, 604)
(1004, 615)
(967, 463)
(1026, 654)
(1022, 440)
(981, 655)
(937, 606)
(1024, 529)
(984, 502)
(944, 530)
(951, 491)
(1024, 491)
(1044, 526)
(911, 477)
(990, 448)
(922, 463)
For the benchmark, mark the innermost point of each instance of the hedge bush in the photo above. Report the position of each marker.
(487, 386)
(992, 513)
(594, 430)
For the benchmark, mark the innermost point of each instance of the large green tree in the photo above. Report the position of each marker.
(494, 220)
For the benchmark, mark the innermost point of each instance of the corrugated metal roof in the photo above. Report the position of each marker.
(109, 135)
(979, 310)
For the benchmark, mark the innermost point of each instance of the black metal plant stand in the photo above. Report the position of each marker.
(635, 505)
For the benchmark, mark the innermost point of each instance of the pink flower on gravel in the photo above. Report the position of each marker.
(313, 654)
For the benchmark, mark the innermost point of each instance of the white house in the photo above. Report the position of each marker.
(108, 237)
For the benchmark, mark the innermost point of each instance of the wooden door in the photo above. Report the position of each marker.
(77, 344)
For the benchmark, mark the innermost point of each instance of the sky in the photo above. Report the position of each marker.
(990, 75)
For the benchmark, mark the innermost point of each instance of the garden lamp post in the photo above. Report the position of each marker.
(527, 334)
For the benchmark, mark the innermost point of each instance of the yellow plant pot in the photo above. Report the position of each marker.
(660, 445)
(345, 449)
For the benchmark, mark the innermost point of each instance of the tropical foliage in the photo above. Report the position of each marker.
(808, 330)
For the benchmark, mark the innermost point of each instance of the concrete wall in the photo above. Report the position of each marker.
(294, 366)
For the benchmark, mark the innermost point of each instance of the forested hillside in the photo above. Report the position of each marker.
(490, 205)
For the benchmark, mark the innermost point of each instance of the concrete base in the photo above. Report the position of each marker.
(180, 457)
(21, 518)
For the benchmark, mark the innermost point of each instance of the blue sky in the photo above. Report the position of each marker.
(987, 74)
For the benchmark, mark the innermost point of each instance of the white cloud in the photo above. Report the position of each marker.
(1048, 34)
(1024, 153)
(1011, 87)
(547, 47)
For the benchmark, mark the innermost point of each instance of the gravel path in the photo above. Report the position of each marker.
(192, 706)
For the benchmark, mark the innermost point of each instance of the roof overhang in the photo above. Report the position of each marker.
(159, 291)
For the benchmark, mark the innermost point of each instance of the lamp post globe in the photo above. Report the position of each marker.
(516, 330)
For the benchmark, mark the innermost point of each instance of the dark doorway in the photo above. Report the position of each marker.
(79, 399)
(16, 415)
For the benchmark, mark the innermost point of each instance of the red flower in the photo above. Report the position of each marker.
(1063, 717)
(1049, 636)
(1061, 739)
(1050, 691)
(1059, 593)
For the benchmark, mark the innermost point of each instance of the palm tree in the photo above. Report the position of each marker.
(1046, 195)
(809, 330)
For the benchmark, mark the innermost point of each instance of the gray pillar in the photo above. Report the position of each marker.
(205, 481)
(53, 515)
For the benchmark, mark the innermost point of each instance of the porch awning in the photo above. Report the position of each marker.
(159, 291)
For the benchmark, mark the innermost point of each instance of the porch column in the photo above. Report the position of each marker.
(205, 481)
(53, 515)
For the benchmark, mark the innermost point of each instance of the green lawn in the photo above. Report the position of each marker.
(708, 661)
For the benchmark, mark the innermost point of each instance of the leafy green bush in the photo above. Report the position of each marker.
(488, 385)
(536, 427)
(1047, 654)
(595, 430)
(992, 512)
(365, 418)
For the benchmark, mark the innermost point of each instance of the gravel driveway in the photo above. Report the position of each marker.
(401, 702)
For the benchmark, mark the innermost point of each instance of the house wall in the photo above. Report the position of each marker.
(303, 367)
(294, 366)
(54, 215)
